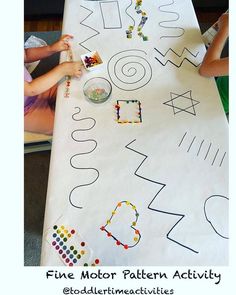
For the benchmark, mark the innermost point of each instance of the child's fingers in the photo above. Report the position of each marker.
(66, 37)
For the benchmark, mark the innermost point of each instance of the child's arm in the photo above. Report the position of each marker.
(46, 81)
(213, 65)
(36, 53)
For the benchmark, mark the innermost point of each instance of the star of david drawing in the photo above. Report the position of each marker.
(182, 102)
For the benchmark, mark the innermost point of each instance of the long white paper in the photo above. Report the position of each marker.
(152, 190)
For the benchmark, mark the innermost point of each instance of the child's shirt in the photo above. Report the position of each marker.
(223, 87)
(28, 100)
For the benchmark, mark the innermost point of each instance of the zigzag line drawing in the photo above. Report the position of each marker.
(82, 153)
(171, 20)
(181, 216)
(174, 64)
(82, 23)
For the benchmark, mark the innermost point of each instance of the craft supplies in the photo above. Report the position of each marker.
(128, 111)
(68, 78)
(91, 60)
(97, 89)
(140, 25)
(128, 238)
(72, 250)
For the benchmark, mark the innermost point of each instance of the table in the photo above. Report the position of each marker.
(141, 179)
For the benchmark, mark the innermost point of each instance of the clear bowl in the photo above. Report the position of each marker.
(97, 89)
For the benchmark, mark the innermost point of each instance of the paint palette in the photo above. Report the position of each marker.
(91, 60)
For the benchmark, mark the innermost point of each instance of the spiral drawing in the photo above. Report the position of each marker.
(129, 70)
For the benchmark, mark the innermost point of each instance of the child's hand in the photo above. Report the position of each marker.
(72, 68)
(61, 44)
(223, 22)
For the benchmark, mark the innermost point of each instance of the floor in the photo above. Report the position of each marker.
(36, 165)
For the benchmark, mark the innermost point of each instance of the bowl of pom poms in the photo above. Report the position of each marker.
(97, 89)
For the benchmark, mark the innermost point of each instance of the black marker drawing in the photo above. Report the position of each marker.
(181, 216)
(83, 24)
(221, 162)
(202, 149)
(185, 51)
(180, 31)
(213, 220)
(126, 11)
(126, 242)
(129, 70)
(91, 125)
(182, 139)
(109, 22)
(191, 144)
(182, 103)
(207, 151)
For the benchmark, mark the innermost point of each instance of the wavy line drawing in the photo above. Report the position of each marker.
(188, 141)
(181, 216)
(209, 216)
(129, 70)
(143, 20)
(126, 11)
(137, 235)
(161, 24)
(179, 55)
(93, 121)
(83, 24)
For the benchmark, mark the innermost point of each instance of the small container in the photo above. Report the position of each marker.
(91, 60)
(97, 89)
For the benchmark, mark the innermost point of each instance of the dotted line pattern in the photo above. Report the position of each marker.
(137, 235)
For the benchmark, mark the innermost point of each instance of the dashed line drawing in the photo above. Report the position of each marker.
(191, 144)
(93, 121)
(215, 157)
(176, 17)
(182, 139)
(181, 216)
(208, 151)
(200, 147)
(221, 162)
(214, 219)
(129, 69)
(83, 24)
(136, 238)
(182, 103)
(106, 8)
(187, 142)
(184, 52)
